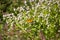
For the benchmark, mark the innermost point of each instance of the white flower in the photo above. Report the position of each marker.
(41, 15)
(14, 9)
(25, 2)
(21, 8)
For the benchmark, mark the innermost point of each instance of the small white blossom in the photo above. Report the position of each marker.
(25, 2)
(41, 15)
(14, 9)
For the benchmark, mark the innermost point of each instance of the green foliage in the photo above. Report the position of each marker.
(27, 18)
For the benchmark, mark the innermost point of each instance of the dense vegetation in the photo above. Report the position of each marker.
(29, 19)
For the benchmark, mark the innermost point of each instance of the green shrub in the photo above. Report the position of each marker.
(27, 19)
